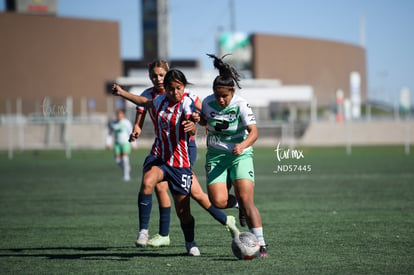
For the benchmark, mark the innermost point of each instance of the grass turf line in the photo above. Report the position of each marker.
(350, 214)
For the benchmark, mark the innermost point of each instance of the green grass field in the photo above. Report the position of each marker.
(348, 215)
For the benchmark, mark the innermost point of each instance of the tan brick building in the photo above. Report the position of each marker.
(325, 65)
(47, 56)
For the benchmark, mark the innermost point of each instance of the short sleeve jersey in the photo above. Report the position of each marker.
(192, 95)
(149, 93)
(227, 126)
(171, 142)
(121, 130)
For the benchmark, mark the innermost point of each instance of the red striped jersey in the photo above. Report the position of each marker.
(171, 142)
(151, 93)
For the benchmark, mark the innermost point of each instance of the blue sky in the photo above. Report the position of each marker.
(389, 29)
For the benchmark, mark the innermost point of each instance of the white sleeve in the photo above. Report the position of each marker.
(193, 96)
(246, 114)
(188, 107)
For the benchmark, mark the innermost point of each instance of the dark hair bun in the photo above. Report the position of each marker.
(226, 71)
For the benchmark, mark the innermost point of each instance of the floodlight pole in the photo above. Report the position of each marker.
(232, 17)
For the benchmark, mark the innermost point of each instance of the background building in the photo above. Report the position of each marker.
(48, 56)
(57, 73)
(324, 65)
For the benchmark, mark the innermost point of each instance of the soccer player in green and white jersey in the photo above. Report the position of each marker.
(120, 129)
(232, 130)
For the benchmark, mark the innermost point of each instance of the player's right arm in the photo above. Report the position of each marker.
(139, 100)
(202, 119)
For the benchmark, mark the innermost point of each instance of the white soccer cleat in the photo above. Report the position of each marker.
(231, 226)
(142, 239)
(192, 248)
(158, 241)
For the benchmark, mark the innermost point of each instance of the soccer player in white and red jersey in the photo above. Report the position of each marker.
(157, 71)
(169, 159)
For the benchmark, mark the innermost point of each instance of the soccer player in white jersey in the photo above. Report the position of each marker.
(232, 131)
(157, 71)
(120, 129)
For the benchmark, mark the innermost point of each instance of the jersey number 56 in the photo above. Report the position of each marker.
(186, 182)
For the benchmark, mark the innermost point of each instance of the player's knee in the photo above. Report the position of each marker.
(161, 188)
(147, 186)
(220, 202)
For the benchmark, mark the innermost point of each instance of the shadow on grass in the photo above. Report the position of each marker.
(89, 253)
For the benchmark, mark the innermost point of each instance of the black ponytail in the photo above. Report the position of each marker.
(228, 76)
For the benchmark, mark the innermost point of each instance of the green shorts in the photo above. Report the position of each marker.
(219, 166)
(122, 149)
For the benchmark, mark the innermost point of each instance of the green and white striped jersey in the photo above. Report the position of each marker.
(121, 129)
(227, 126)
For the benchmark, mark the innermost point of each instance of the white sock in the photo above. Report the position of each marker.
(258, 232)
(143, 231)
(118, 161)
(127, 167)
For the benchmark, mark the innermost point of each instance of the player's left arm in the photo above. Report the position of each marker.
(188, 123)
(196, 104)
(138, 124)
(248, 119)
(249, 141)
(189, 126)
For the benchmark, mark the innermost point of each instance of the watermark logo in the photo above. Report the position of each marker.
(285, 157)
(49, 109)
(282, 153)
(214, 140)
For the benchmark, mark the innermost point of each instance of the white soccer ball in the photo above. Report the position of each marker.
(245, 246)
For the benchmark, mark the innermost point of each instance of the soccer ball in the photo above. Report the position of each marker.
(245, 246)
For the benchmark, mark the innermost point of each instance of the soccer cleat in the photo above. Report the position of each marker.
(141, 240)
(158, 241)
(263, 251)
(242, 218)
(192, 248)
(231, 226)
